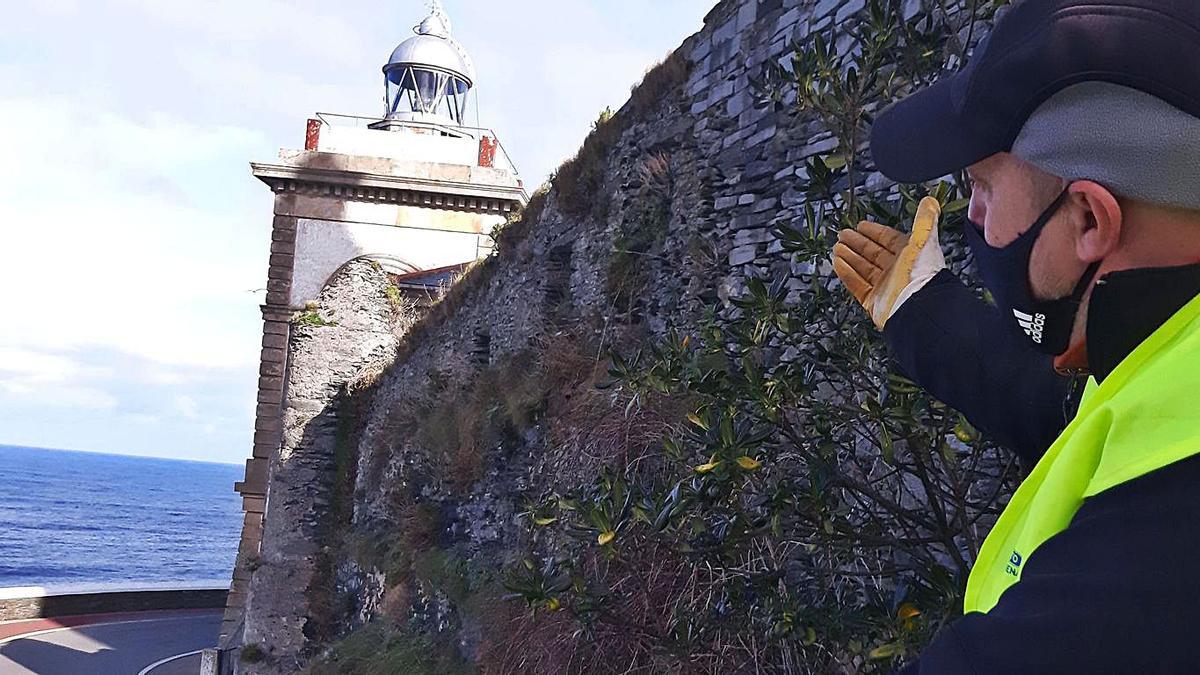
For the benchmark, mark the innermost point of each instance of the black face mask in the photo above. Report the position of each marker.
(1005, 271)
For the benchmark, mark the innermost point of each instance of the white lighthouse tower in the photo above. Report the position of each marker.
(415, 189)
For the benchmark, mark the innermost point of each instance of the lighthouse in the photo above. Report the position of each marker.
(415, 189)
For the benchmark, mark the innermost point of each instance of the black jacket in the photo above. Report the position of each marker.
(1117, 591)
(965, 353)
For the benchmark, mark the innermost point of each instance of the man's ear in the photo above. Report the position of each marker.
(1100, 229)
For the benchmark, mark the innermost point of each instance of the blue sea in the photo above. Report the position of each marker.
(74, 520)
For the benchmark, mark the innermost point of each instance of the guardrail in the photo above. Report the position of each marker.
(361, 121)
(35, 602)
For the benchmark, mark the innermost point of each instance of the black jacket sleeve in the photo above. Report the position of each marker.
(962, 351)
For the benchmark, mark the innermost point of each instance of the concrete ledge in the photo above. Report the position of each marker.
(39, 603)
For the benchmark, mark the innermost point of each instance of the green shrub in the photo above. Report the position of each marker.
(252, 653)
(313, 318)
(507, 235)
(377, 649)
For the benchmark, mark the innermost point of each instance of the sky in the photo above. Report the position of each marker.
(134, 243)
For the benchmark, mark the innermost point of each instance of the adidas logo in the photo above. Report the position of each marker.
(1032, 325)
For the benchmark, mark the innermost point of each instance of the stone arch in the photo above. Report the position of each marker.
(391, 264)
(318, 261)
(323, 247)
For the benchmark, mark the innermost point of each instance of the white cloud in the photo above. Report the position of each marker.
(293, 28)
(104, 400)
(187, 407)
(293, 95)
(34, 366)
(133, 240)
(33, 377)
(112, 263)
(66, 396)
(28, 392)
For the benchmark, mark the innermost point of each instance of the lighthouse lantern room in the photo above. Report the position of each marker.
(429, 75)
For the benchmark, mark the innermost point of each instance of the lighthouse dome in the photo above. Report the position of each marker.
(434, 46)
(431, 51)
(430, 74)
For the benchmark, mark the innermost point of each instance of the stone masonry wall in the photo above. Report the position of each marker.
(350, 337)
(735, 173)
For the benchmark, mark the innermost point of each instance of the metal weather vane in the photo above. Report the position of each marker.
(437, 23)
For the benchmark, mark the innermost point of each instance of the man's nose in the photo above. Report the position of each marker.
(976, 210)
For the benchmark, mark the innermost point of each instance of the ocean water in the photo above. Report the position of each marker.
(73, 520)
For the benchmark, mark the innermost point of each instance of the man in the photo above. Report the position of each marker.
(1079, 125)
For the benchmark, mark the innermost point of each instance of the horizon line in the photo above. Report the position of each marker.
(119, 454)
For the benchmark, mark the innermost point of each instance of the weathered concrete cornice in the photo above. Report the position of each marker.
(442, 199)
(337, 177)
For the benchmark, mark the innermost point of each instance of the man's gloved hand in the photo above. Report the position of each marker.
(883, 267)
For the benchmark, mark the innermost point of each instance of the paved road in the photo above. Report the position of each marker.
(121, 646)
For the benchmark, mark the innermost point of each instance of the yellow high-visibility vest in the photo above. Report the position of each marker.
(1144, 416)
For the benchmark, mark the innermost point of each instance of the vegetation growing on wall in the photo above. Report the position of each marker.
(578, 183)
(640, 235)
(311, 316)
(814, 512)
(375, 650)
(462, 426)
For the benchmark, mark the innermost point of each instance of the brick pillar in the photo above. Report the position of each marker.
(312, 135)
(487, 151)
(268, 423)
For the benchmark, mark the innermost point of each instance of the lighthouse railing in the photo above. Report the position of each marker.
(361, 121)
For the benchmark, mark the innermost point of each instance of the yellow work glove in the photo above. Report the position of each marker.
(882, 267)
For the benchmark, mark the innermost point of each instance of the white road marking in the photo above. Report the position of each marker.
(152, 666)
